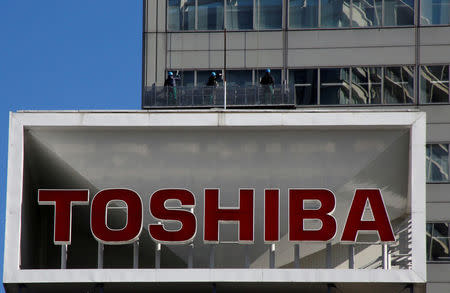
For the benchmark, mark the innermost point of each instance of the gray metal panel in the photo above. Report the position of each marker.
(438, 287)
(438, 211)
(351, 38)
(439, 273)
(435, 45)
(437, 113)
(350, 56)
(438, 193)
(150, 53)
(438, 133)
(161, 15)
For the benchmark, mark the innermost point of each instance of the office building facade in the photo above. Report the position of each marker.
(377, 54)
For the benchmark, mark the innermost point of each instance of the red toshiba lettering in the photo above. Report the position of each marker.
(297, 214)
(271, 215)
(214, 215)
(63, 200)
(187, 219)
(381, 222)
(99, 226)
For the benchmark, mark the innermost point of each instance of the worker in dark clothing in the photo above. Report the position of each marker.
(267, 83)
(212, 82)
(171, 89)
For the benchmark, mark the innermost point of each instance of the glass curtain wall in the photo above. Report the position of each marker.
(181, 14)
(304, 83)
(366, 85)
(399, 12)
(334, 86)
(239, 14)
(438, 240)
(334, 13)
(210, 15)
(366, 13)
(269, 14)
(399, 85)
(434, 82)
(435, 12)
(276, 74)
(437, 163)
(303, 13)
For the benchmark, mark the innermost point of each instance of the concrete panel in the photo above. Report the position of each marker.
(350, 56)
(189, 59)
(236, 59)
(438, 193)
(438, 273)
(438, 133)
(161, 58)
(150, 60)
(161, 15)
(436, 113)
(150, 17)
(438, 211)
(189, 41)
(266, 40)
(264, 58)
(351, 38)
(438, 287)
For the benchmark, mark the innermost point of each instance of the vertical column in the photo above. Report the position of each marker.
(191, 256)
(158, 256)
(100, 249)
(272, 256)
(63, 256)
(351, 256)
(384, 254)
(212, 255)
(297, 256)
(136, 255)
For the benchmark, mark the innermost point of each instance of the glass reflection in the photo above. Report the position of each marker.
(181, 14)
(269, 14)
(435, 12)
(437, 163)
(239, 77)
(239, 14)
(398, 12)
(366, 85)
(304, 82)
(210, 15)
(303, 13)
(335, 13)
(438, 239)
(276, 74)
(399, 85)
(366, 13)
(434, 84)
(334, 86)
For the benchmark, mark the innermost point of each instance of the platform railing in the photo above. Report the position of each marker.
(213, 97)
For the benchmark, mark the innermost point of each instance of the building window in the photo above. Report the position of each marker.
(437, 163)
(304, 83)
(210, 15)
(239, 78)
(335, 13)
(434, 82)
(399, 85)
(366, 85)
(438, 240)
(435, 12)
(239, 14)
(366, 13)
(334, 86)
(269, 14)
(303, 13)
(398, 12)
(181, 14)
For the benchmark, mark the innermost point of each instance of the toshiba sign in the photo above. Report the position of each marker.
(63, 200)
(192, 196)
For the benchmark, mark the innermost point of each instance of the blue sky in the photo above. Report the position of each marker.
(66, 54)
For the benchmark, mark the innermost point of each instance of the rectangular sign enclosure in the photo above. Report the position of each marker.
(338, 151)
